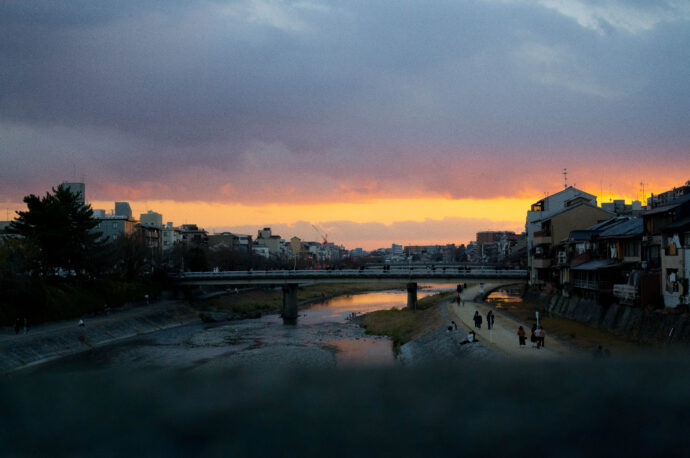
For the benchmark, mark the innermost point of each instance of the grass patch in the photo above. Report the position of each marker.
(403, 325)
(435, 299)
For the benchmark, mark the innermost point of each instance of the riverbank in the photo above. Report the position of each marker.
(642, 327)
(55, 340)
(426, 337)
(256, 302)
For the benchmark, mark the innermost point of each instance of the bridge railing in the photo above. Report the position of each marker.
(393, 273)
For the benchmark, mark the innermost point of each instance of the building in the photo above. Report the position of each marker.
(169, 236)
(552, 230)
(619, 207)
(548, 206)
(151, 218)
(123, 209)
(191, 235)
(596, 259)
(666, 198)
(235, 242)
(665, 247)
(113, 226)
(273, 242)
(261, 250)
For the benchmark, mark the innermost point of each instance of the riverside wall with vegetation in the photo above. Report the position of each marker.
(639, 324)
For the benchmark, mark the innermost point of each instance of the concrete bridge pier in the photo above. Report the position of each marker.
(289, 312)
(412, 296)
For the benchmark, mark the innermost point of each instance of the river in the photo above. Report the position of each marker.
(324, 336)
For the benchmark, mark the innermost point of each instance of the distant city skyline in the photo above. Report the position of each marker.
(400, 121)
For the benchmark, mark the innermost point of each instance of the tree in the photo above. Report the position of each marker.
(60, 227)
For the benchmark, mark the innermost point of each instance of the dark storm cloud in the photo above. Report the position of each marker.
(272, 91)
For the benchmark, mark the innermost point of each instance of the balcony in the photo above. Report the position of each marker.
(541, 263)
(627, 294)
(541, 239)
(594, 285)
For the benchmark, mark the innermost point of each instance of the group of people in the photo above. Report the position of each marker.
(537, 337)
(489, 320)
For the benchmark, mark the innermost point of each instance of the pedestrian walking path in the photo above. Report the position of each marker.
(503, 337)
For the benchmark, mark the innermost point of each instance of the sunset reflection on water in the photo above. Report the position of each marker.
(365, 351)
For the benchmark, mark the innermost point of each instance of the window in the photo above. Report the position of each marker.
(632, 249)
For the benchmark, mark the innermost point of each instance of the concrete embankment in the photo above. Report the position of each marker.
(639, 324)
(443, 347)
(52, 341)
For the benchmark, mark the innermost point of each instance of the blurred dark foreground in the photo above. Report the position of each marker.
(600, 408)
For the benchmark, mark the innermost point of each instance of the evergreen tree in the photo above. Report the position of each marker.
(61, 229)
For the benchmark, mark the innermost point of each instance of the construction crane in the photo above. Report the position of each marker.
(323, 235)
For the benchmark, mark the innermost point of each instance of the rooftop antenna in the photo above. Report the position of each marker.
(644, 196)
(565, 178)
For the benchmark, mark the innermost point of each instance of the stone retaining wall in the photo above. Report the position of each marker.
(41, 345)
(643, 325)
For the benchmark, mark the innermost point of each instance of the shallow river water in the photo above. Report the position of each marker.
(324, 336)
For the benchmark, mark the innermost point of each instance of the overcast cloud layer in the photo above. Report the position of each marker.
(268, 101)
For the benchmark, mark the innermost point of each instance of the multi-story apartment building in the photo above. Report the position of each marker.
(553, 229)
(272, 242)
(113, 226)
(546, 207)
(666, 248)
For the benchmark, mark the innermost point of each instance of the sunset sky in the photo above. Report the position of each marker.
(381, 121)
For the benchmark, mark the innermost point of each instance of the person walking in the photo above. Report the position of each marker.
(477, 320)
(538, 337)
(521, 336)
(490, 319)
(542, 335)
(532, 337)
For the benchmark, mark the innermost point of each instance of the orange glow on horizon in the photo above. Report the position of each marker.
(384, 211)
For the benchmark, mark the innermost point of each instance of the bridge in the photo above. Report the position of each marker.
(291, 279)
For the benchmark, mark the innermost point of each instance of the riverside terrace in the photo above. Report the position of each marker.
(290, 279)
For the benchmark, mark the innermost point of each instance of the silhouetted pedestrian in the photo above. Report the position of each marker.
(490, 319)
(539, 336)
(477, 320)
(542, 336)
(521, 336)
(532, 337)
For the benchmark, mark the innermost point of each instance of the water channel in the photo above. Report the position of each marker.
(324, 336)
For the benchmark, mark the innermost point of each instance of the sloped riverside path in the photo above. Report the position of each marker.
(503, 337)
(53, 340)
